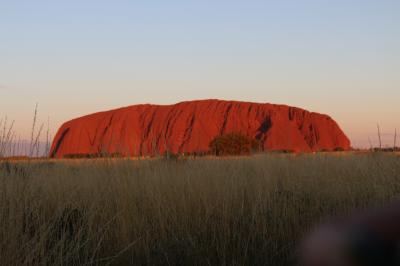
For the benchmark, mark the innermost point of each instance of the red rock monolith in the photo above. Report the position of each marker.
(189, 127)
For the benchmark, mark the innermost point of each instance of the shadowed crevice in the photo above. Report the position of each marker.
(264, 127)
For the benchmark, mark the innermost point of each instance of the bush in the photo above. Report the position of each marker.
(234, 144)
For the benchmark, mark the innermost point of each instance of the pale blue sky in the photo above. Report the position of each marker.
(76, 57)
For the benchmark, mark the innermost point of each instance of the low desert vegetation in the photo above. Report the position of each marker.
(203, 211)
(234, 143)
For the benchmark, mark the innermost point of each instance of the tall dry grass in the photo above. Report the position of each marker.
(233, 211)
(7, 136)
(13, 146)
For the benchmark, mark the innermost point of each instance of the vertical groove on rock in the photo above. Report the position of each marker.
(101, 148)
(225, 119)
(188, 132)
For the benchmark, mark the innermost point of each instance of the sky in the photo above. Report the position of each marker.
(74, 57)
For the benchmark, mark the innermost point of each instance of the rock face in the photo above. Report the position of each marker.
(189, 127)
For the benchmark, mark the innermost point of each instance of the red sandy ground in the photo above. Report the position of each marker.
(188, 127)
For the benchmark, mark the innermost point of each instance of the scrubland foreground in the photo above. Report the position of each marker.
(232, 211)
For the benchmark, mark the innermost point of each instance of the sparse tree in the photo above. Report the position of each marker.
(233, 144)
